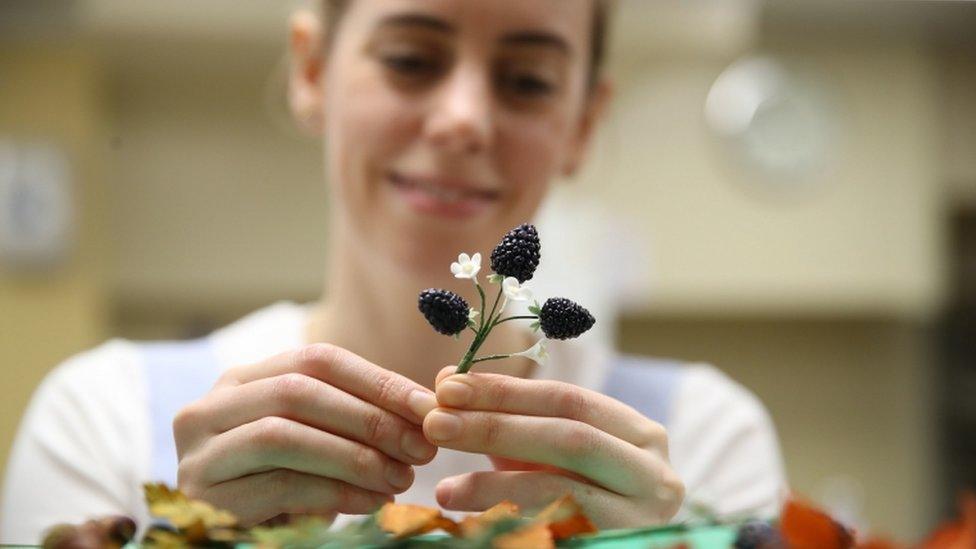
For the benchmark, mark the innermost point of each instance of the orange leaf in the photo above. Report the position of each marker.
(806, 527)
(404, 521)
(959, 534)
(447, 525)
(875, 543)
(473, 525)
(533, 536)
(565, 518)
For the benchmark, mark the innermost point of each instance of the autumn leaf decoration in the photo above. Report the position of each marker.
(501, 524)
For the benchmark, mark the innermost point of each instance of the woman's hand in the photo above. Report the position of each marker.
(549, 438)
(316, 431)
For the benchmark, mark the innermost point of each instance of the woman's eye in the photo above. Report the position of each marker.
(410, 64)
(527, 86)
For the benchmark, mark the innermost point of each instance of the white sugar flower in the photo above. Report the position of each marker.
(472, 314)
(514, 291)
(467, 267)
(537, 352)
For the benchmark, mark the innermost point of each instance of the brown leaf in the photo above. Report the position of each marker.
(536, 535)
(164, 539)
(69, 536)
(195, 533)
(183, 512)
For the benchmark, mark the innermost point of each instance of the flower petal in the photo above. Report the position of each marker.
(463, 258)
(456, 268)
(514, 291)
(537, 352)
(510, 286)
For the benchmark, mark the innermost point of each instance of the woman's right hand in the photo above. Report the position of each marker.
(318, 430)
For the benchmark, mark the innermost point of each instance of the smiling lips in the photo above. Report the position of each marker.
(442, 197)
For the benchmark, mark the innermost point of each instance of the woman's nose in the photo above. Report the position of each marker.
(459, 120)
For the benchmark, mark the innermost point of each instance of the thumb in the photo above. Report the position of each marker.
(445, 372)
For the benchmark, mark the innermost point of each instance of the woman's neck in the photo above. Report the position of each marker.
(373, 312)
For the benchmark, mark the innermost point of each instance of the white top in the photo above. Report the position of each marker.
(84, 445)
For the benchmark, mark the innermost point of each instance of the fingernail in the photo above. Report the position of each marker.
(444, 373)
(399, 476)
(421, 403)
(416, 446)
(443, 426)
(454, 393)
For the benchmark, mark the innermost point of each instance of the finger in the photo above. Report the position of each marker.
(346, 371)
(279, 443)
(571, 445)
(444, 373)
(536, 397)
(307, 400)
(532, 491)
(263, 496)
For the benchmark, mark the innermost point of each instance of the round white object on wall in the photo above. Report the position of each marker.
(777, 126)
(36, 210)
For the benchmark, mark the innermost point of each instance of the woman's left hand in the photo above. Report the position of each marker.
(547, 439)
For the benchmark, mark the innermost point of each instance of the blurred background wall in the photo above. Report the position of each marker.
(824, 284)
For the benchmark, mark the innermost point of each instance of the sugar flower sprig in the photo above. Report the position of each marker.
(467, 267)
(514, 261)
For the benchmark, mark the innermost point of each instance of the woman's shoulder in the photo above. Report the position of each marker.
(720, 436)
(99, 390)
(252, 337)
(694, 400)
(679, 383)
(104, 368)
(650, 385)
(87, 408)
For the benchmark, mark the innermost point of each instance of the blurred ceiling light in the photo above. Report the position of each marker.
(776, 124)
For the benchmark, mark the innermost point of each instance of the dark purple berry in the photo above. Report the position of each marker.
(561, 318)
(518, 253)
(446, 311)
(757, 534)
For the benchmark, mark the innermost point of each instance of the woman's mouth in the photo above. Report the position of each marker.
(442, 197)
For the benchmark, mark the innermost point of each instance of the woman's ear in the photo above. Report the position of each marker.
(593, 112)
(306, 70)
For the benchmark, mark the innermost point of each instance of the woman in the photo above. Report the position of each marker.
(444, 123)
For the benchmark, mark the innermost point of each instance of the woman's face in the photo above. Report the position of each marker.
(446, 120)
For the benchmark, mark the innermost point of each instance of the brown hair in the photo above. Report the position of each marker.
(599, 31)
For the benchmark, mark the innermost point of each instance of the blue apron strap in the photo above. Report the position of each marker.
(648, 385)
(177, 373)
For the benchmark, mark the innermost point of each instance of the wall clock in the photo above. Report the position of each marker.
(36, 213)
(774, 124)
